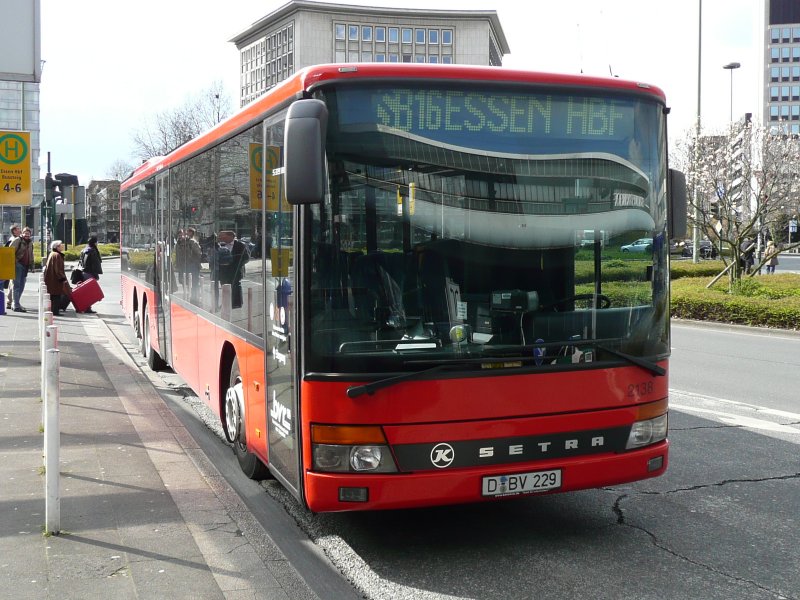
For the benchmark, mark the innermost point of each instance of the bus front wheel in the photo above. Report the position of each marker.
(235, 430)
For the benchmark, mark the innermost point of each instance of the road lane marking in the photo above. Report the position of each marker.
(680, 401)
(738, 420)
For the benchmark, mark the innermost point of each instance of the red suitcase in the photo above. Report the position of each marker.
(85, 294)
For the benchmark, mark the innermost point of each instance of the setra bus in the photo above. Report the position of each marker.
(426, 302)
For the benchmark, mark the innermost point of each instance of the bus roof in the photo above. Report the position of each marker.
(309, 78)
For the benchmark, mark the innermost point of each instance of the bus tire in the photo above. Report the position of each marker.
(235, 430)
(154, 360)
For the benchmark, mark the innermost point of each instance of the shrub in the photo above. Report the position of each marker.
(772, 301)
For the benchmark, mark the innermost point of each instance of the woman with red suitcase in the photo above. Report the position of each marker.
(55, 279)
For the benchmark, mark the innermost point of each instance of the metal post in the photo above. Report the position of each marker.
(49, 342)
(696, 229)
(52, 447)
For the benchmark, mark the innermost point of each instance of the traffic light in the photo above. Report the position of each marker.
(714, 208)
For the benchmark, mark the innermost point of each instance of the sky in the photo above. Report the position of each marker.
(112, 65)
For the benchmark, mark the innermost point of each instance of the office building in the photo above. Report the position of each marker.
(782, 65)
(20, 73)
(303, 33)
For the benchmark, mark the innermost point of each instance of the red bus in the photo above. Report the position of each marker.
(404, 285)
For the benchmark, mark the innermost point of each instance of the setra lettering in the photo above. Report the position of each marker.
(542, 447)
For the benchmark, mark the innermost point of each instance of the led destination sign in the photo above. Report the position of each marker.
(452, 115)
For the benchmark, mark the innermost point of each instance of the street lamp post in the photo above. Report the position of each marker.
(696, 228)
(731, 67)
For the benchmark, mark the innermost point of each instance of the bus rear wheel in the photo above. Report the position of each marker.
(235, 430)
(154, 360)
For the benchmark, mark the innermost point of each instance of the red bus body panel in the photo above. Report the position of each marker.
(510, 406)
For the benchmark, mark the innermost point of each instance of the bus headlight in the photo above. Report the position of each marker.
(366, 458)
(353, 459)
(350, 449)
(649, 431)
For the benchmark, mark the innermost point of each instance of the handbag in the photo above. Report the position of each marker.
(77, 276)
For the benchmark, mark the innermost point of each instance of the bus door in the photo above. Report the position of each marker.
(283, 426)
(163, 246)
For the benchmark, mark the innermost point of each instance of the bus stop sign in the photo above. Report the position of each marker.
(15, 168)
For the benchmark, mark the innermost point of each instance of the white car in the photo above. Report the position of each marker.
(640, 245)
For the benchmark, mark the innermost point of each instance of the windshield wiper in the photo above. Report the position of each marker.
(639, 362)
(354, 391)
(441, 365)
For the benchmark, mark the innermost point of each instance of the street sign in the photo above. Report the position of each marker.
(793, 226)
(7, 263)
(15, 168)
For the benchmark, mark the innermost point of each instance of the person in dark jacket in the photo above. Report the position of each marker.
(23, 254)
(55, 279)
(232, 256)
(91, 261)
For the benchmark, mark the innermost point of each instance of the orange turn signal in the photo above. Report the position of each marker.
(347, 434)
(651, 409)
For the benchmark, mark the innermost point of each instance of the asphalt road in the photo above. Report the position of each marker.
(721, 524)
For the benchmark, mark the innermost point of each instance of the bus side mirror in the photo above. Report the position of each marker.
(677, 205)
(304, 151)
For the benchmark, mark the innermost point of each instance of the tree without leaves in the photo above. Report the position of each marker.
(741, 185)
(119, 170)
(171, 128)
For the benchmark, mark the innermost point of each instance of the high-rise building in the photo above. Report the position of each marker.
(782, 65)
(303, 33)
(20, 72)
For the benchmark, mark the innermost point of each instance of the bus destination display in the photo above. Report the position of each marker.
(452, 115)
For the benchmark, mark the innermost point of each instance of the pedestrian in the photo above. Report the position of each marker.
(747, 248)
(55, 279)
(91, 261)
(232, 255)
(771, 253)
(23, 256)
(188, 256)
(8, 284)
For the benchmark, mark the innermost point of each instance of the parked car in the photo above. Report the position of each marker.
(707, 249)
(640, 245)
(677, 246)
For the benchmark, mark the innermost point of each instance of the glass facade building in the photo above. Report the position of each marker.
(782, 68)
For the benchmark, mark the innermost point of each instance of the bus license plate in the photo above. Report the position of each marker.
(521, 483)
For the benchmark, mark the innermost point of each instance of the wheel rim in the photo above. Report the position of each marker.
(233, 411)
(146, 335)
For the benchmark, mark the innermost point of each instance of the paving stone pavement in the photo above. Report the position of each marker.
(144, 514)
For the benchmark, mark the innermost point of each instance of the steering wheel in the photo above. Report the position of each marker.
(603, 301)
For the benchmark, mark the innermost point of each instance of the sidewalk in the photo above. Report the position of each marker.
(144, 514)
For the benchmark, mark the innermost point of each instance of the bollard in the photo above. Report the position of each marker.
(45, 320)
(49, 342)
(44, 303)
(52, 445)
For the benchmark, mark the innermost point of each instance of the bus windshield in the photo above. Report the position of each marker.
(488, 222)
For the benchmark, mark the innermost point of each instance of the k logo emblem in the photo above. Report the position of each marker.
(442, 455)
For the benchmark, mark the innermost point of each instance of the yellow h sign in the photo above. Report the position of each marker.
(15, 168)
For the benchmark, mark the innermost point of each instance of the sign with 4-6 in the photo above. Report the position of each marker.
(15, 168)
